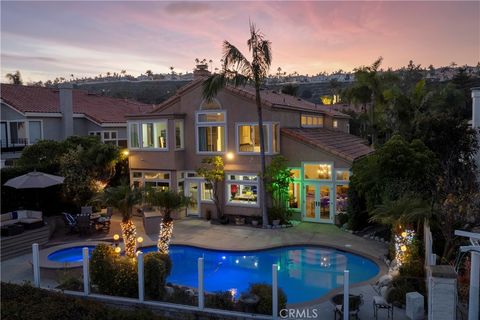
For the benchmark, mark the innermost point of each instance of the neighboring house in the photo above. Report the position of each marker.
(167, 145)
(29, 114)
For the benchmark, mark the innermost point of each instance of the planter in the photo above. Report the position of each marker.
(276, 222)
(254, 223)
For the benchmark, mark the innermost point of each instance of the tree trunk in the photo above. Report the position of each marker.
(216, 200)
(166, 231)
(129, 235)
(263, 191)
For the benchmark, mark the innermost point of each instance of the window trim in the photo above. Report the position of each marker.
(26, 121)
(140, 135)
(211, 124)
(202, 183)
(269, 138)
(245, 182)
(142, 179)
(94, 133)
(332, 167)
(182, 136)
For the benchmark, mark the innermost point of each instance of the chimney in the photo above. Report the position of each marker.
(201, 70)
(66, 108)
(476, 122)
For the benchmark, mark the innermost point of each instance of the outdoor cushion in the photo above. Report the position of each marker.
(379, 301)
(14, 215)
(34, 214)
(22, 214)
(31, 220)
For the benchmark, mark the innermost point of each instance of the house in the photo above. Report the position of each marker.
(166, 147)
(29, 114)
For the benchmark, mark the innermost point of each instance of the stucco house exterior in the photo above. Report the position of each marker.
(29, 114)
(166, 147)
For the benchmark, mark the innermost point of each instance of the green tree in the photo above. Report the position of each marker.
(213, 171)
(237, 70)
(78, 184)
(124, 197)
(279, 177)
(15, 78)
(290, 89)
(167, 202)
(42, 154)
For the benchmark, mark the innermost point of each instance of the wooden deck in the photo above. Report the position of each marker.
(19, 244)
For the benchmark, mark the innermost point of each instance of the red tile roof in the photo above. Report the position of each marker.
(339, 143)
(46, 100)
(270, 98)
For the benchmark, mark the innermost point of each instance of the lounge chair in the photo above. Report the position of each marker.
(70, 222)
(381, 302)
(354, 303)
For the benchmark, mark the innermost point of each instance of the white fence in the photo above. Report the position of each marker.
(201, 294)
(430, 257)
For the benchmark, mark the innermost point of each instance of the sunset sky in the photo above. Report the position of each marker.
(45, 40)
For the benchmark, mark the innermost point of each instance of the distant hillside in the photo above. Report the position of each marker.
(151, 92)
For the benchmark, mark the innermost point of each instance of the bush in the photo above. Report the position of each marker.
(157, 269)
(279, 213)
(220, 300)
(264, 292)
(181, 296)
(70, 282)
(402, 285)
(26, 302)
(126, 277)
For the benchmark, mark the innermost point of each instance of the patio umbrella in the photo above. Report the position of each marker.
(34, 180)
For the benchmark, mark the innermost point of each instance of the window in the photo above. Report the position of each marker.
(335, 123)
(294, 195)
(151, 179)
(179, 135)
(106, 136)
(248, 138)
(242, 190)
(149, 135)
(342, 198)
(342, 175)
(295, 173)
(134, 135)
(211, 131)
(318, 171)
(18, 132)
(207, 191)
(311, 121)
(34, 131)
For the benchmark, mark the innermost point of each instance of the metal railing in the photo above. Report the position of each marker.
(9, 145)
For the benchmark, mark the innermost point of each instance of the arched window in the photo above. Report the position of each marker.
(210, 105)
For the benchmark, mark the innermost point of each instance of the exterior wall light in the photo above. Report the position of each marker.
(230, 155)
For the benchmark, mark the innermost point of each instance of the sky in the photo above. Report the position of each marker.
(45, 40)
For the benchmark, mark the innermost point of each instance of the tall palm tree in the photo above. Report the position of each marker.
(124, 198)
(167, 202)
(237, 70)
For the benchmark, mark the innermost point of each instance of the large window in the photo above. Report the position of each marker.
(242, 190)
(211, 131)
(248, 138)
(18, 132)
(207, 192)
(34, 131)
(318, 171)
(342, 175)
(149, 135)
(311, 121)
(151, 179)
(179, 134)
(342, 198)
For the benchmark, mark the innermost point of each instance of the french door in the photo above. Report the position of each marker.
(318, 204)
(193, 190)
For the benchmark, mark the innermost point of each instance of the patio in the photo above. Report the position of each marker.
(201, 233)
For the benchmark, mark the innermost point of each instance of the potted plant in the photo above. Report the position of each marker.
(254, 222)
(239, 220)
(275, 215)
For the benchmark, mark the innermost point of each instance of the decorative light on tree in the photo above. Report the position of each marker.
(129, 233)
(166, 231)
(402, 242)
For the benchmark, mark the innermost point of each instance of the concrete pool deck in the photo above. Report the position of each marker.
(201, 233)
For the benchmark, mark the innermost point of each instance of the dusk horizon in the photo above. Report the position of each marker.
(45, 40)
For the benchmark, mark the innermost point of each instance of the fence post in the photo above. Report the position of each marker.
(86, 272)
(201, 296)
(473, 312)
(275, 291)
(346, 295)
(141, 279)
(36, 265)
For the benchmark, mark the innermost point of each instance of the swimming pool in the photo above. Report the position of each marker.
(305, 273)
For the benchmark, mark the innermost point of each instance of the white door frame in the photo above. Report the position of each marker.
(190, 210)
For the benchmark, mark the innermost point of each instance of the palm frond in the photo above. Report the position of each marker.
(233, 58)
(213, 85)
(405, 210)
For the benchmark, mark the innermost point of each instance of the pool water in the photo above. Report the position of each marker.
(304, 272)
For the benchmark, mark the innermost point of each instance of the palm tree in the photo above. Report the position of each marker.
(167, 202)
(15, 78)
(124, 198)
(237, 70)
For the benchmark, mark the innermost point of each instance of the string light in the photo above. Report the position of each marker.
(129, 232)
(116, 237)
(402, 241)
(166, 230)
(118, 250)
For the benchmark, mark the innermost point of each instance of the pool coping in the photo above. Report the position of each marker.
(382, 267)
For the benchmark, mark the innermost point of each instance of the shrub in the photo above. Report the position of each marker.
(126, 277)
(220, 300)
(157, 269)
(181, 296)
(264, 292)
(279, 213)
(102, 268)
(26, 302)
(68, 281)
(402, 285)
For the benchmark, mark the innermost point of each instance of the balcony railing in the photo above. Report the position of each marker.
(17, 145)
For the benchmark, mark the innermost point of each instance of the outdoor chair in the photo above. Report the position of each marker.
(381, 302)
(70, 222)
(84, 223)
(86, 210)
(354, 303)
(104, 221)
